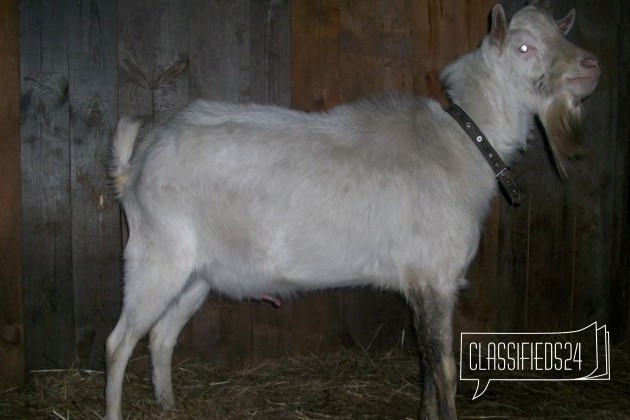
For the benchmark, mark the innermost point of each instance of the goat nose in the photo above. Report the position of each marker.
(590, 62)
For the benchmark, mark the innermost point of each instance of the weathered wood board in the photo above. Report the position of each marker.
(11, 316)
(558, 262)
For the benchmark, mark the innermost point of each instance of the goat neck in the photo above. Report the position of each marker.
(522, 70)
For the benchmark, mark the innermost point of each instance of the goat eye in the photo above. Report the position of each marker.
(524, 48)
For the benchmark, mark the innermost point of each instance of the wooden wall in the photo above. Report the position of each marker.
(561, 257)
(71, 228)
(11, 325)
(557, 262)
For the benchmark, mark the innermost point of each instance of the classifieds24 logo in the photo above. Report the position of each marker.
(580, 355)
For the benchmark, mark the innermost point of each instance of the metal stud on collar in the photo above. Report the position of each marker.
(502, 173)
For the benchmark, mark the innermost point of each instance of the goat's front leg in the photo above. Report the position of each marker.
(433, 313)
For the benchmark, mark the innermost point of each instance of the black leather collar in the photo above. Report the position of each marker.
(509, 186)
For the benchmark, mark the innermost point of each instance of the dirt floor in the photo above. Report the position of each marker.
(348, 385)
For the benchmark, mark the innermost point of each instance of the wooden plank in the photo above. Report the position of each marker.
(512, 261)
(375, 48)
(46, 207)
(220, 50)
(549, 242)
(315, 72)
(96, 230)
(375, 56)
(620, 315)
(219, 333)
(269, 82)
(316, 322)
(601, 179)
(220, 47)
(272, 330)
(440, 33)
(11, 320)
(153, 54)
(376, 321)
(270, 52)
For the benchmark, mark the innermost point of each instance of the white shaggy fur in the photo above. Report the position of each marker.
(255, 201)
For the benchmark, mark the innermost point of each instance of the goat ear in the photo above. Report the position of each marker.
(566, 23)
(498, 33)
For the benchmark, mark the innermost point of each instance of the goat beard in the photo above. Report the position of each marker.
(562, 119)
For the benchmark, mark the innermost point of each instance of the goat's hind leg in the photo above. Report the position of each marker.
(163, 338)
(150, 289)
(432, 320)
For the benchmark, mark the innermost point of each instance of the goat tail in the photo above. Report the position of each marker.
(121, 151)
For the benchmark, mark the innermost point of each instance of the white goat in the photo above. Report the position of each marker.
(255, 201)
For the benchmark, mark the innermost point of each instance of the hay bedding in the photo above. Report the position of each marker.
(348, 385)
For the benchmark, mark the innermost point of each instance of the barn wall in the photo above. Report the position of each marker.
(559, 258)
(557, 262)
(46, 216)
(71, 228)
(620, 296)
(11, 324)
